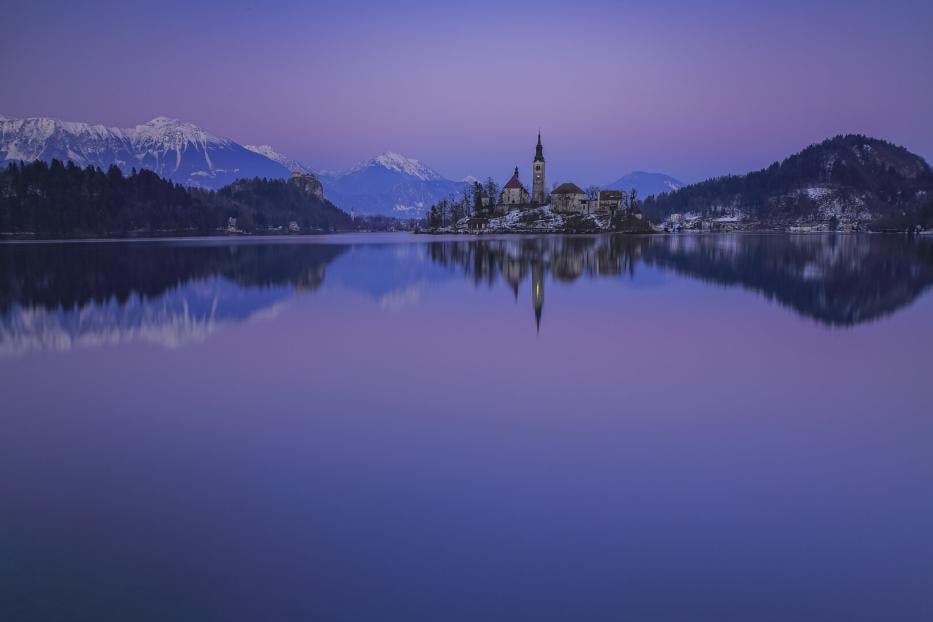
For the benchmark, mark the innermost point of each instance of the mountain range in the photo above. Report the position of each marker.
(175, 150)
(389, 184)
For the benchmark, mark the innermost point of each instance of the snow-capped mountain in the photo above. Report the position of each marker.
(174, 149)
(289, 163)
(389, 184)
(646, 184)
(398, 163)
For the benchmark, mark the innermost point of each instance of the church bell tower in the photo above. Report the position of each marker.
(537, 174)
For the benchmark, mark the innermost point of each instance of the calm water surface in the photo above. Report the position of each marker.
(409, 428)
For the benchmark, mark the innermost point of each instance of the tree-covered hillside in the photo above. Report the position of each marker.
(850, 177)
(61, 201)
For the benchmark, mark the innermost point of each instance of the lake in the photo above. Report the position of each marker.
(397, 427)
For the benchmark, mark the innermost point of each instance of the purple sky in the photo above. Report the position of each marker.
(670, 86)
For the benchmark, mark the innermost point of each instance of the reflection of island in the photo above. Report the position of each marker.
(839, 280)
(514, 260)
(55, 296)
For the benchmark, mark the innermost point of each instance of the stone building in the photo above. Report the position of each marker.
(606, 202)
(513, 193)
(568, 198)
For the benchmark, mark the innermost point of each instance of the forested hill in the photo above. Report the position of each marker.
(63, 201)
(850, 178)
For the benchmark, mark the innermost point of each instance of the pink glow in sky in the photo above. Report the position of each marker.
(690, 89)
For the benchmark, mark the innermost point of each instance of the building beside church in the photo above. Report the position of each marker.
(568, 198)
(606, 202)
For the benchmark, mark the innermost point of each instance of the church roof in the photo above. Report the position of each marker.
(513, 183)
(567, 188)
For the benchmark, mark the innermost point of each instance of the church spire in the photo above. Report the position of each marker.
(538, 193)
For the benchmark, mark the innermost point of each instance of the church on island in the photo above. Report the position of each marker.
(566, 198)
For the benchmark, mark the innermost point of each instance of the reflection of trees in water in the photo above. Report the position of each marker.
(836, 279)
(73, 275)
(839, 280)
(54, 297)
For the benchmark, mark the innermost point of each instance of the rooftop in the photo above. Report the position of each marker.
(567, 188)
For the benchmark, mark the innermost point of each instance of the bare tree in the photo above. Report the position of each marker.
(492, 191)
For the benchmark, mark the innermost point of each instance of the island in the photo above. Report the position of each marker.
(567, 208)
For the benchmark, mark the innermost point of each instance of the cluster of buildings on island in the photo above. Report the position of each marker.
(566, 198)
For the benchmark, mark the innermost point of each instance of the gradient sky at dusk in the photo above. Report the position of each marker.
(690, 89)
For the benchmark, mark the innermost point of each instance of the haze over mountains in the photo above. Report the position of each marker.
(389, 184)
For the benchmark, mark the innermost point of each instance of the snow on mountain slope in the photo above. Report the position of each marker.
(388, 184)
(391, 185)
(399, 164)
(47, 139)
(284, 160)
(174, 149)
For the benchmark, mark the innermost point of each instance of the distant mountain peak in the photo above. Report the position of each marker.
(174, 133)
(400, 164)
(646, 183)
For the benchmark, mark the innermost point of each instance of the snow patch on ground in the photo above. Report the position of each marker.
(818, 193)
(539, 218)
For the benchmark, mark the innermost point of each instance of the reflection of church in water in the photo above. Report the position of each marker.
(514, 271)
(534, 260)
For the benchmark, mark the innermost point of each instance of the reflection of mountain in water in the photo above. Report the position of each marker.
(838, 280)
(57, 296)
(62, 295)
